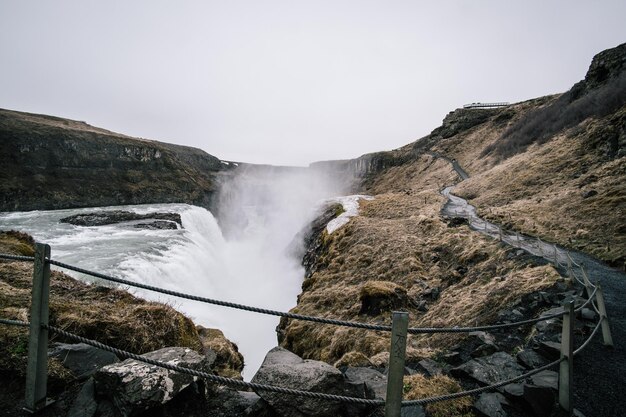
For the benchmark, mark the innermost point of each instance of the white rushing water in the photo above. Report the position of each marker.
(255, 263)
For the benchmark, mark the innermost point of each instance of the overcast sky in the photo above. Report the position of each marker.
(291, 82)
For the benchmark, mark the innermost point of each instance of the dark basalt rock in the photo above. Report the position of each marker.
(531, 359)
(285, 369)
(375, 381)
(541, 399)
(490, 405)
(102, 218)
(463, 119)
(134, 386)
(82, 359)
(490, 369)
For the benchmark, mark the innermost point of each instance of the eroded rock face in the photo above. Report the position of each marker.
(102, 218)
(53, 163)
(285, 369)
(134, 386)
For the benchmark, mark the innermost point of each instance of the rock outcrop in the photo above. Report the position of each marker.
(52, 163)
(102, 218)
(285, 369)
(133, 386)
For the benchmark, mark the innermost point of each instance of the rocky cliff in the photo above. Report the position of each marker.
(51, 163)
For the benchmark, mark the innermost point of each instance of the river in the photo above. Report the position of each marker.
(249, 257)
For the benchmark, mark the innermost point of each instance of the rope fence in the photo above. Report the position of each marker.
(39, 328)
(235, 383)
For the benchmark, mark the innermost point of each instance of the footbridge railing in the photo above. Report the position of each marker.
(39, 329)
(485, 105)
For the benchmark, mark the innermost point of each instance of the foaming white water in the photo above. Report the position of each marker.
(262, 213)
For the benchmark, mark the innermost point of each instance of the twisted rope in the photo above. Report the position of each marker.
(455, 395)
(16, 257)
(226, 303)
(317, 395)
(209, 377)
(413, 330)
(335, 322)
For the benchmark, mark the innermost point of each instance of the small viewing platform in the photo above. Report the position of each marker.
(485, 105)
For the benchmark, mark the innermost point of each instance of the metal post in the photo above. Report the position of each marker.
(36, 370)
(395, 378)
(566, 371)
(606, 329)
(500, 232)
(517, 237)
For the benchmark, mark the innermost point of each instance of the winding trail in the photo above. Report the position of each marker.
(599, 371)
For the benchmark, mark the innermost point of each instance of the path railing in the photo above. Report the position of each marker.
(39, 329)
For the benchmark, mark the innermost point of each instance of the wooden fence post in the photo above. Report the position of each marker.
(395, 377)
(606, 329)
(36, 370)
(566, 370)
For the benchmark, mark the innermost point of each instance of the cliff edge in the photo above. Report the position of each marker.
(53, 163)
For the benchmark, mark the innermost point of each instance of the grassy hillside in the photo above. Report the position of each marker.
(553, 167)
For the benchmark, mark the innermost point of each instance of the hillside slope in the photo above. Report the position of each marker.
(563, 180)
(51, 163)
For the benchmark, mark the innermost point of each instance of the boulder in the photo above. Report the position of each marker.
(490, 369)
(514, 391)
(82, 359)
(84, 404)
(429, 367)
(134, 386)
(227, 402)
(531, 359)
(551, 350)
(481, 344)
(285, 369)
(102, 218)
(489, 404)
(541, 399)
(375, 381)
(546, 379)
(587, 314)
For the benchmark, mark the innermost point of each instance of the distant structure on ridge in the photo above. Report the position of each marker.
(484, 105)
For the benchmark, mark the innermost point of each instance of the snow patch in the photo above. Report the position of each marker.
(350, 205)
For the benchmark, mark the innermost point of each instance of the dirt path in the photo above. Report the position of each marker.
(599, 371)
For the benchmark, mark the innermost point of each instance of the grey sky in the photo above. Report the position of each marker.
(291, 82)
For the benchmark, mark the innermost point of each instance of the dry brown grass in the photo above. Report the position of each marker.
(418, 386)
(109, 315)
(540, 192)
(400, 241)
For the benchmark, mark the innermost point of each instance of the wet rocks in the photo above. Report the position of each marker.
(285, 369)
(102, 218)
(490, 404)
(82, 359)
(490, 369)
(531, 359)
(134, 386)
